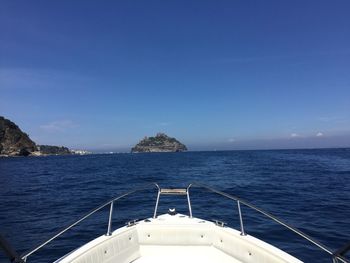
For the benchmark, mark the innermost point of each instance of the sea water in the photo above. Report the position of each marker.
(309, 189)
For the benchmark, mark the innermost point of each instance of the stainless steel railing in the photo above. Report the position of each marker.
(336, 257)
(93, 211)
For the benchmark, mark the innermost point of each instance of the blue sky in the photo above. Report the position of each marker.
(214, 74)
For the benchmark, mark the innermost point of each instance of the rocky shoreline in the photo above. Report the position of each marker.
(15, 142)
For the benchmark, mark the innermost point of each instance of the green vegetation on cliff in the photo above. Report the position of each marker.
(55, 150)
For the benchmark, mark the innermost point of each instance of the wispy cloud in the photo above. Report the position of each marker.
(319, 134)
(59, 126)
(231, 140)
(294, 135)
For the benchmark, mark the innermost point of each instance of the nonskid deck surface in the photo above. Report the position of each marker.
(183, 254)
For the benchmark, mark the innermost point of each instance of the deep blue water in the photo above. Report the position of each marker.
(309, 189)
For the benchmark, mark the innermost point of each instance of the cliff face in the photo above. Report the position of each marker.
(160, 143)
(14, 142)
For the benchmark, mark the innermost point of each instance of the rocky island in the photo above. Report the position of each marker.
(160, 143)
(14, 142)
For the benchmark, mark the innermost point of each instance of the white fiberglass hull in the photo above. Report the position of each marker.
(177, 238)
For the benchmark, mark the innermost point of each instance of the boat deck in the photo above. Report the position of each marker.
(177, 238)
(183, 254)
(182, 238)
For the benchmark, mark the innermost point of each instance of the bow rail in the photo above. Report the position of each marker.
(93, 211)
(338, 256)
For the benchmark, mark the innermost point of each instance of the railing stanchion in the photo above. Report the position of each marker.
(337, 256)
(188, 200)
(240, 218)
(156, 207)
(109, 230)
(27, 254)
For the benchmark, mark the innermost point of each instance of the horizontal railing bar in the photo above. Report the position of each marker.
(293, 229)
(26, 255)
